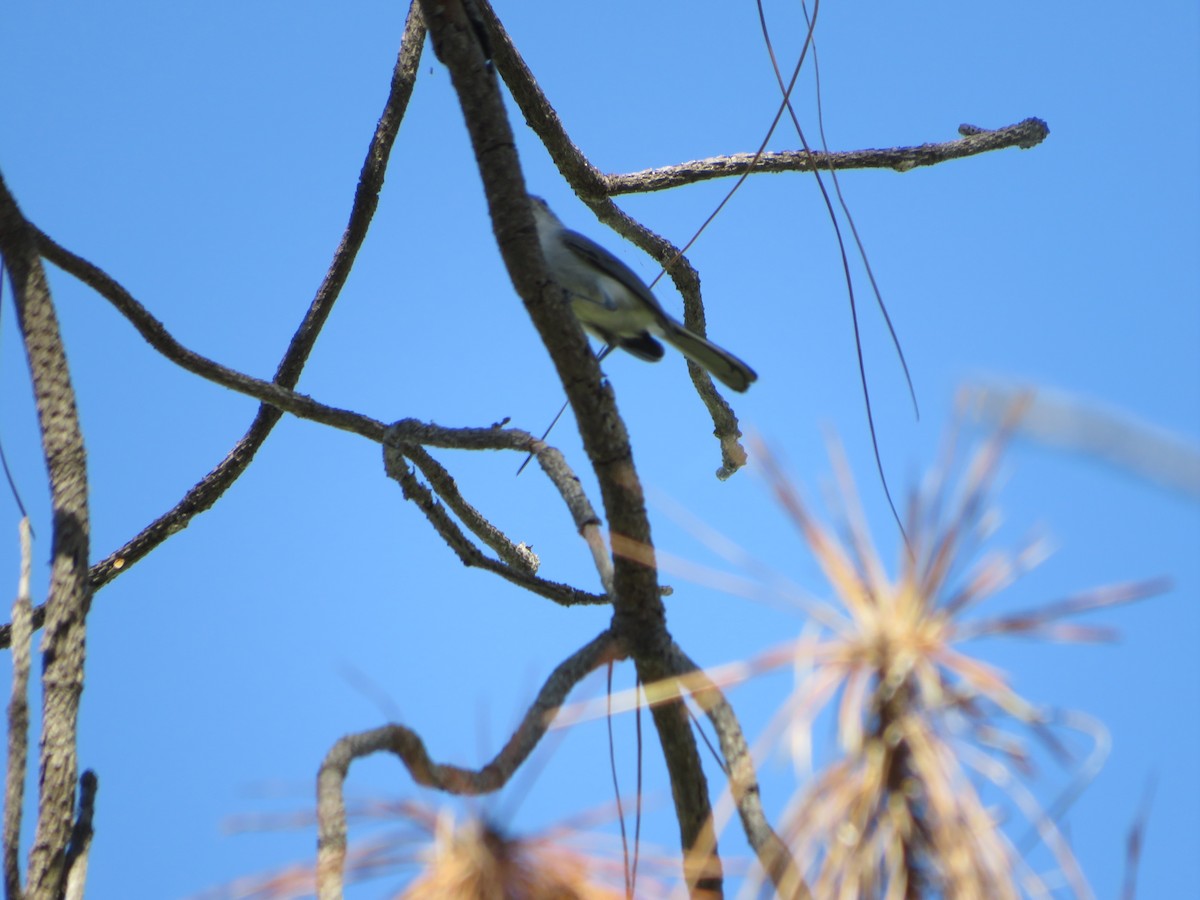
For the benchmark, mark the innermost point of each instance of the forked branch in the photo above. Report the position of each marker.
(210, 488)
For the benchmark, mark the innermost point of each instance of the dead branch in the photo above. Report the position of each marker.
(1025, 134)
(773, 854)
(410, 749)
(81, 837)
(639, 617)
(18, 720)
(69, 596)
(593, 188)
(210, 488)
(468, 553)
(411, 436)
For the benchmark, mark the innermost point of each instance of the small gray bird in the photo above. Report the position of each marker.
(614, 304)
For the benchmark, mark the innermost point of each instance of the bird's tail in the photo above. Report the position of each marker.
(721, 364)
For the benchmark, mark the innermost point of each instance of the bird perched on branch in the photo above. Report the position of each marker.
(614, 304)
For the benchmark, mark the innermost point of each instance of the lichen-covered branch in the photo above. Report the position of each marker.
(1025, 134)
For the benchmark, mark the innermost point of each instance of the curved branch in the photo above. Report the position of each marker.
(366, 198)
(404, 442)
(408, 746)
(278, 397)
(686, 279)
(773, 853)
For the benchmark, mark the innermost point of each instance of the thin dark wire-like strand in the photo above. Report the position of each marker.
(604, 351)
(787, 93)
(862, 251)
(637, 814)
(862, 367)
(707, 742)
(612, 766)
(12, 483)
(1137, 838)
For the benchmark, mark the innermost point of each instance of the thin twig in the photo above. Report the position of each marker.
(1025, 134)
(18, 720)
(410, 436)
(81, 837)
(810, 42)
(772, 852)
(516, 556)
(612, 768)
(468, 553)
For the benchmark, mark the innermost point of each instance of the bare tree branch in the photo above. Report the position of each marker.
(81, 837)
(156, 334)
(1025, 134)
(773, 854)
(407, 436)
(366, 198)
(468, 553)
(639, 617)
(18, 720)
(69, 596)
(408, 746)
(410, 436)
(597, 189)
(593, 187)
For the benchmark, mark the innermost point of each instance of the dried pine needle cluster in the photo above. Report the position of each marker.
(464, 858)
(473, 861)
(900, 813)
(925, 730)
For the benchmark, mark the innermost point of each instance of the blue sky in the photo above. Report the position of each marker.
(206, 156)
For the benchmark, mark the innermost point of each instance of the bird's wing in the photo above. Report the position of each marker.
(591, 252)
